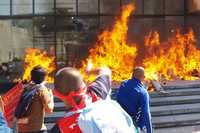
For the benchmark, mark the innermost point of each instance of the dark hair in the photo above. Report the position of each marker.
(38, 74)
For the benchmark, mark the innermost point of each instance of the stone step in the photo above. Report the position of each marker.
(175, 109)
(183, 86)
(156, 110)
(182, 129)
(163, 101)
(176, 120)
(169, 92)
(50, 120)
(176, 92)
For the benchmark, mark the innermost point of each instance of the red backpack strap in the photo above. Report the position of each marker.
(69, 124)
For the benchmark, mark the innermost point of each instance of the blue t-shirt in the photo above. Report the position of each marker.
(3, 125)
(134, 98)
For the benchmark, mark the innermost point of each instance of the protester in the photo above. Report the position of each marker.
(87, 113)
(4, 73)
(3, 124)
(40, 101)
(70, 87)
(134, 98)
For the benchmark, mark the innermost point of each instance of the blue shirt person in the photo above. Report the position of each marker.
(134, 98)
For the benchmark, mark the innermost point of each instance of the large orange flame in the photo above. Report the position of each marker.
(36, 57)
(178, 57)
(112, 50)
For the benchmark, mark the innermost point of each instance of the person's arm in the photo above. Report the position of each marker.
(145, 118)
(48, 100)
(102, 84)
(1, 105)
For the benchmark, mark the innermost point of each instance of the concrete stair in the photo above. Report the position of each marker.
(177, 109)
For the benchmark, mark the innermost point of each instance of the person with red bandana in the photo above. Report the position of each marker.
(71, 89)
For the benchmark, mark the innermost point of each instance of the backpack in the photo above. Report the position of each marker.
(68, 124)
(25, 102)
(105, 116)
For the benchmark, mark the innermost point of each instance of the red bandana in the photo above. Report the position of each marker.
(81, 93)
(65, 124)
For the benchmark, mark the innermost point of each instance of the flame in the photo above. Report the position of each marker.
(36, 57)
(112, 50)
(176, 58)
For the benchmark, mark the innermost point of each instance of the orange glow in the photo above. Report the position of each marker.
(176, 58)
(36, 57)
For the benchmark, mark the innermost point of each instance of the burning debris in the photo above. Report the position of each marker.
(176, 58)
(36, 57)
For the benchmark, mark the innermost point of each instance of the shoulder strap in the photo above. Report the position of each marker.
(25, 101)
(69, 124)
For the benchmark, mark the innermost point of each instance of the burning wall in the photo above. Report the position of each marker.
(177, 57)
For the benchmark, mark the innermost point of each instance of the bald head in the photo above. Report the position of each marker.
(68, 79)
(138, 73)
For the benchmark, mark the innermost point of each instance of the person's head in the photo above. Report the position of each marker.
(68, 79)
(38, 74)
(139, 73)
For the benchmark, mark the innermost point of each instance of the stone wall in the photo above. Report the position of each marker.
(13, 41)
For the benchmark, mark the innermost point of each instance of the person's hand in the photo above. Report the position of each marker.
(89, 67)
(101, 70)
